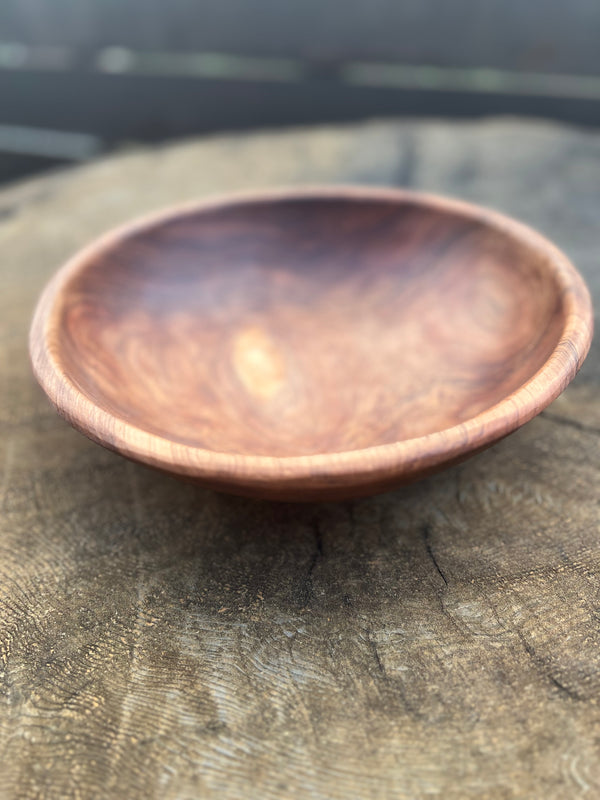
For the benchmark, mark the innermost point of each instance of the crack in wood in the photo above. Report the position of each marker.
(306, 592)
(542, 664)
(426, 534)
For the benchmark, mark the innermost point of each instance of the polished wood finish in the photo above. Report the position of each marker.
(311, 344)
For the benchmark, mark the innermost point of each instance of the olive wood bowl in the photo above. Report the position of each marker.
(310, 344)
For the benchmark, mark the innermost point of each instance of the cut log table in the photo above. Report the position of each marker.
(161, 641)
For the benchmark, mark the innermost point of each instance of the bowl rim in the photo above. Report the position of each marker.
(407, 456)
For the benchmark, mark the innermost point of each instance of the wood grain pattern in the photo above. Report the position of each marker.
(163, 642)
(310, 345)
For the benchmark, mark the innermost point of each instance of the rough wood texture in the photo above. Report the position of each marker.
(318, 344)
(160, 641)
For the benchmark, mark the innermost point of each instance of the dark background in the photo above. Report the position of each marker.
(79, 77)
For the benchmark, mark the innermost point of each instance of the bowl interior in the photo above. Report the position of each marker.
(307, 325)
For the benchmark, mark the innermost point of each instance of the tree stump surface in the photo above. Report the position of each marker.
(161, 641)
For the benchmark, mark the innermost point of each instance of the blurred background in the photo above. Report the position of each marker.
(81, 77)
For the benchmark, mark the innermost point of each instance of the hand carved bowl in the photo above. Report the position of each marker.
(310, 344)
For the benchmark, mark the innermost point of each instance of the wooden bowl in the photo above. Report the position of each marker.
(310, 344)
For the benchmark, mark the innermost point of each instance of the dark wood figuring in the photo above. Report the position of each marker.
(320, 344)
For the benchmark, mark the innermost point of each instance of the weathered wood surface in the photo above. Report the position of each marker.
(160, 641)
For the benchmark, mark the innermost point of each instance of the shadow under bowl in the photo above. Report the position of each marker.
(310, 344)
